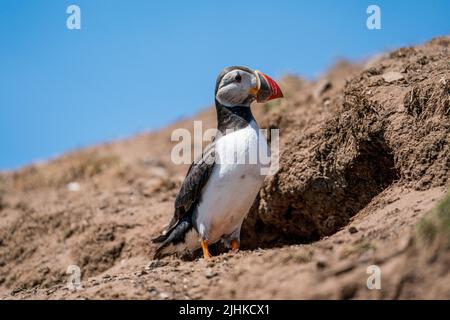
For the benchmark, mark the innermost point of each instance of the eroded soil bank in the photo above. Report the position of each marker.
(364, 159)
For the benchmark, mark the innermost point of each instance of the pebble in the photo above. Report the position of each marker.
(210, 273)
(157, 264)
(321, 263)
(73, 186)
(164, 295)
(142, 273)
(152, 290)
(352, 230)
(392, 76)
(322, 86)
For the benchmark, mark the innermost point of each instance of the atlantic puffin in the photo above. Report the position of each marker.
(217, 192)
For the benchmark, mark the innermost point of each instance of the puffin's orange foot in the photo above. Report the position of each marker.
(206, 254)
(234, 245)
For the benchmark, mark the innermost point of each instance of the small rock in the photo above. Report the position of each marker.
(164, 295)
(321, 87)
(50, 291)
(152, 291)
(321, 262)
(392, 76)
(157, 264)
(103, 205)
(352, 230)
(210, 273)
(142, 273)
(16, 291)
(73, 186)
(175, 263)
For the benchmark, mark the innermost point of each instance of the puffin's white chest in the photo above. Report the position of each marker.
(233, 185)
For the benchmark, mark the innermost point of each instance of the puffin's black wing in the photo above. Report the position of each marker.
(191, 189)
(196, 178)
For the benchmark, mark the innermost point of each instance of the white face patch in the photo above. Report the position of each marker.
(234, 88)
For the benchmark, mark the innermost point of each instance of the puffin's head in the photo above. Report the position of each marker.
(240, 86)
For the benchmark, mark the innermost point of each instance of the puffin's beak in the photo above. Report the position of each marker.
(268, 88)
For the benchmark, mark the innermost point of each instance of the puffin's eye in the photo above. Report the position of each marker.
(238, 77)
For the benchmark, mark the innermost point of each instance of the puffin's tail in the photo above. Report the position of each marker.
(175, 240)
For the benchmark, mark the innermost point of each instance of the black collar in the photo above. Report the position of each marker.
(233, 118)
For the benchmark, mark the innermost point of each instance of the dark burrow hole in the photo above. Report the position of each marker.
(327, 205)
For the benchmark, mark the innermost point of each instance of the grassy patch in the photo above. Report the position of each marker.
(364, 246)
(359, 248)
(437, 223)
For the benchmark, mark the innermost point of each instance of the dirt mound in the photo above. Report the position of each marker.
(364, 156)
(388, 124)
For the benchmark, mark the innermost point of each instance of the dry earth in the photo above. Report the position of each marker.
(364, 161)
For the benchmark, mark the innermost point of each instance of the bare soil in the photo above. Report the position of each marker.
(364, 161)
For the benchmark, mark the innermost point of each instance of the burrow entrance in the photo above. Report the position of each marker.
(323, 205)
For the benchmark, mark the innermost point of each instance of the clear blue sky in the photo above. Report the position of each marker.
(139, 65)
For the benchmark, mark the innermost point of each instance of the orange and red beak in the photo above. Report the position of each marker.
(268, 88)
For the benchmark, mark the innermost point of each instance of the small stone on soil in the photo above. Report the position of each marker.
(352, 230)
(392, 76)
(157, 264)
(210, 273)
(164, 295)
(142, 273)
(321, 263)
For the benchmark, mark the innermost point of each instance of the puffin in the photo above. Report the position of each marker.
(219, 188)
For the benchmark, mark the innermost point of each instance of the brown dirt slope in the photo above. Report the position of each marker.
(364, 160)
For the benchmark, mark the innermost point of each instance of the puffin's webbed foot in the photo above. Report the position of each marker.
(206, 254)
(234, 245)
